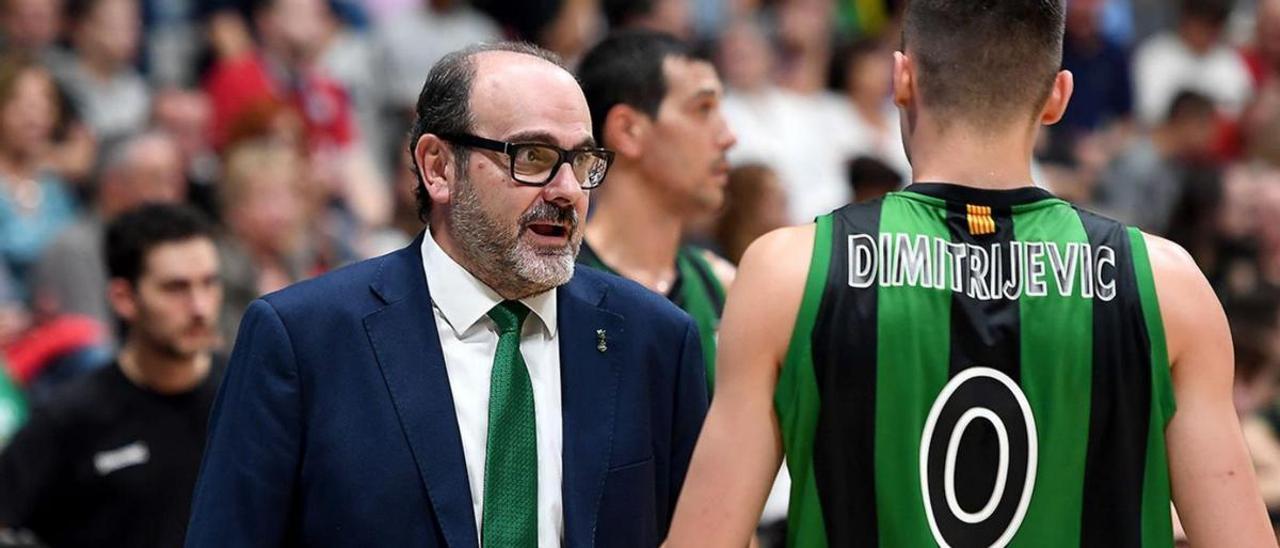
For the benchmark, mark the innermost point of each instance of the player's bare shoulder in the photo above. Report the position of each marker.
(770, 284)
(782, 255)
(1188, 306)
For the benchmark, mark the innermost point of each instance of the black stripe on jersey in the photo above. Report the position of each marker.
(984, 333)
(844, 361)
(1121, 402)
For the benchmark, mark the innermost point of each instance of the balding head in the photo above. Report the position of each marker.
(514, 89)
(445, 106)
(483, 111)
(144, 169)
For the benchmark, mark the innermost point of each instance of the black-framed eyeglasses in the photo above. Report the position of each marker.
(535, 164)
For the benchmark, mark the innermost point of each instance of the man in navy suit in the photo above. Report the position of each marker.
(473, 388)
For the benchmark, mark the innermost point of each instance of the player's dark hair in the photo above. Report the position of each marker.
(987, 62)
(626, 69)
(135, 233)
(444, 105)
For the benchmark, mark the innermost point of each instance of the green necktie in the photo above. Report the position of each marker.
(511, 458)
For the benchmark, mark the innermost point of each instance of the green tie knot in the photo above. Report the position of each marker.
(509, 315)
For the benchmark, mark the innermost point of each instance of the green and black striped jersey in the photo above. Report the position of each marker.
(977, 368)
(696, 290)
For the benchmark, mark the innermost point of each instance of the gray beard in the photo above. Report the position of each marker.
(501, 259)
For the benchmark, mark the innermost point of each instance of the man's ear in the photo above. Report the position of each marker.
(437, 167)
(625, 130)
(904, 80)
(1064, 84)
(123, 299)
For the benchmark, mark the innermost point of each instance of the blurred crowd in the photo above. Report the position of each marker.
(285, 122)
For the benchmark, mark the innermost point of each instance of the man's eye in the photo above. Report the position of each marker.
(534, 155)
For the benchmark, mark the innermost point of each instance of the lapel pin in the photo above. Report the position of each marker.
(601, 343)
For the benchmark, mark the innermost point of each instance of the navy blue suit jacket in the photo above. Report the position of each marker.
(335, 424)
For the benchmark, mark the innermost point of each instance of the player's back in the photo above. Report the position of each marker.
(977, 368)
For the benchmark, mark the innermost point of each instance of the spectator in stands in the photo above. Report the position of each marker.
(1261, 120)
(1263, 58)
(1143, 185)
(1149, 17)
(284, 68)
(71, 275)
(263, 205)
(754, 204)
(804, 31)
(669, 16)
(1255, 333)
(863, 74)
(99, 75)
(34, 203)
(871, 179)
(566, 27)
(1194, 222)
(186, 116)
(410, 43)
(172, 51)
(1104, 91)
(574, 29)
(111, 459)
(31, 26)
(800, 136)
(347, 56)
(1268, 231)
(1194, 57)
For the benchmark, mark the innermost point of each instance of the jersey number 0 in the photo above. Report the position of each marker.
(978, 393)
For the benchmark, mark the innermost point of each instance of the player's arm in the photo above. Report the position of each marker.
(739, 450)
(1214, 487)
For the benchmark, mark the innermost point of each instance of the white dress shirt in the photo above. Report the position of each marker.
(469, 339)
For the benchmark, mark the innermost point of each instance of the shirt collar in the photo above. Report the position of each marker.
(463, 299)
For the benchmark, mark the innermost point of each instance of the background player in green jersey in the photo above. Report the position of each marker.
(658, 106)
(975, 82)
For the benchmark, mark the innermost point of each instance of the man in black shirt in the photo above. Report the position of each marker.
(111, 459)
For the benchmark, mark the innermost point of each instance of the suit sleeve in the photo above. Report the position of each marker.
(245, 493)
(687, 416)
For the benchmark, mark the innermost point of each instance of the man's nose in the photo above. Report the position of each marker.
(725, 138)
(564, 189)
(205, 301)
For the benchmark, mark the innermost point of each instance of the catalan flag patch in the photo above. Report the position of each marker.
(980, 221)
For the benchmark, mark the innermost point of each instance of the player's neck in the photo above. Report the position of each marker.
(635, 233)
(999, 161)
(162, 372)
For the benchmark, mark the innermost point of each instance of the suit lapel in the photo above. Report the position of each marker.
(404, 339)
(588, 388)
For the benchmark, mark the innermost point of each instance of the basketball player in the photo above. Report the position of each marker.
(658, 106)
(973, 362)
